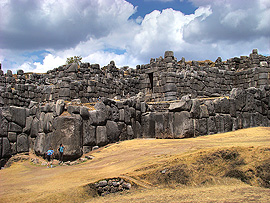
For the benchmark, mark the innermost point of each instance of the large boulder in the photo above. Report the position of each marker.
(6, 151)
(41, 144)
(148, 125)
(68, 131)
(22, 143)
(34, 128)
(239, 94)
(89, 133)
(183, 125)
(48, 123)
(13, 127)
(18, 115)
(101, 135)
(112, 131)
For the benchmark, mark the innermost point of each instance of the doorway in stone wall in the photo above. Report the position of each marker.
(150, 75)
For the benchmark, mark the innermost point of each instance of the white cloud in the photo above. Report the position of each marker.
(100, 31)
(50, 62)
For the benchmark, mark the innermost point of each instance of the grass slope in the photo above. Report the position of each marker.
(205, 169)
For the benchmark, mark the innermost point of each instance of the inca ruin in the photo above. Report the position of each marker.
(85, 105)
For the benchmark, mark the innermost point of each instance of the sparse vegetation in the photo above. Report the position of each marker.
(74, 59)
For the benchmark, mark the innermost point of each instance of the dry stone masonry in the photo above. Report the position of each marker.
(85, 106)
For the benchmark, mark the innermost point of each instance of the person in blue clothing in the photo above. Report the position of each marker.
(61, 153)
(50, 154)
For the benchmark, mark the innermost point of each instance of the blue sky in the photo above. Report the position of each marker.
(145, 7)
(37, 36)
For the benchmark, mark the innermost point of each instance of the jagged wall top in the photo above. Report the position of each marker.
(161, 79)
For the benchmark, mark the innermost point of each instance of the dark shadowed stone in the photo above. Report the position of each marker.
(148, 125)
(1, 142)
(228, 124)
(232, 107)
(89, 133)
(3, 125)
(101, 135)
(115, 113)
(183, 125)
(22, 143)
(101, 117)
(48, 123)
(211, 107)
(219, 123)
(159, 124)
(12, 136)
(127, 115)
(200, 126)
(123, 130)
(195, 109)
(246, 119)
(86, 149)
(28, 124)
(34, 128)
(112, 131)
(49, 107)
(6, 151)
(73, 109)
(211, 123)
(137, 129)
(18, 115)
(84, 112)
(13, 127)
(224, 106)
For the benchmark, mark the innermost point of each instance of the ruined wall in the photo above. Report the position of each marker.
(42, 110)
(167, 80)
(81, 127)
(195, 117)
(85, 82)
(164, 79)
(77, 126)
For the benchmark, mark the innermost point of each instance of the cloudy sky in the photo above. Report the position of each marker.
(38, 35)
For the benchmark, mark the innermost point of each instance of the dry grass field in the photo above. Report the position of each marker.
(228, 167)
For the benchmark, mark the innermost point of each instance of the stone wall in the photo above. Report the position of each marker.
(189, 117)
(85, 82)
(164, 79)
(73, 104)
(78, 127)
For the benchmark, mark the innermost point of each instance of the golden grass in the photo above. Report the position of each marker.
(137, 160)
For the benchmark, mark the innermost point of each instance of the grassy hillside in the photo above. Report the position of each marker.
(229, 167)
